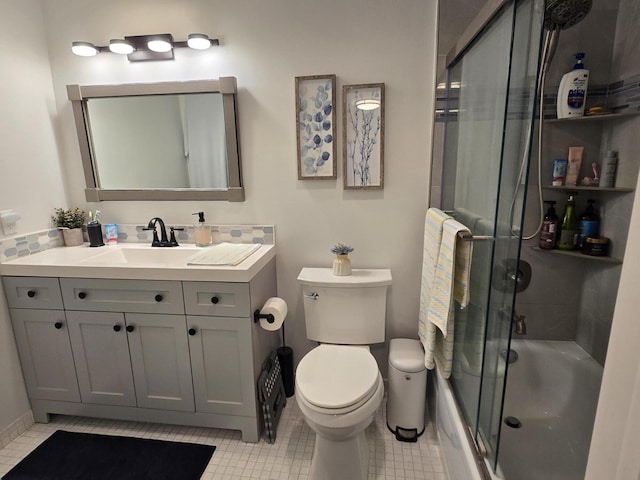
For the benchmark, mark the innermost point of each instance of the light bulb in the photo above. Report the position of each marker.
(84, 49)
(120, 46)
(198, 41)
(159, 45)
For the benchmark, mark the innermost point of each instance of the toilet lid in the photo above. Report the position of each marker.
(337, 376)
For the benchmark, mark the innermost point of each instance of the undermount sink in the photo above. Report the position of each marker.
(142, 256)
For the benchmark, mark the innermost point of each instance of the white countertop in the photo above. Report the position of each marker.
(85, 262)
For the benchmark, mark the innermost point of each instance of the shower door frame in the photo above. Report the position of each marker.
(504, 239)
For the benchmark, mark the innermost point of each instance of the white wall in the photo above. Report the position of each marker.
(30, 178)
(265, 45)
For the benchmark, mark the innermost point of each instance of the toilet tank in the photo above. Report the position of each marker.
(347, 310)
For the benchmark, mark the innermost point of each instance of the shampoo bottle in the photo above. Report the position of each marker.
(203, 231)
(572, 93)
(549, 227)
(569, 229)
(589, 224)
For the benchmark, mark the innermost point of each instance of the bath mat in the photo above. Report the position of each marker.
(87, 456)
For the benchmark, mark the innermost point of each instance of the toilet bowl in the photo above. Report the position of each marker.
(338, 390)
(338, 385)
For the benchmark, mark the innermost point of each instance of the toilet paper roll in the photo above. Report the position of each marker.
(276, 307)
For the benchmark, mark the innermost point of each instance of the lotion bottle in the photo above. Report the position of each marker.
(202, 231)
(572, 93)
(569, 228)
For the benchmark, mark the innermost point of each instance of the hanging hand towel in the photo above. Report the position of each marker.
(451, 276)
(433, 226)
(451, 282)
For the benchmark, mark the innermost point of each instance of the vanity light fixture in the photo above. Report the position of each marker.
(140, 48)
(367, 104)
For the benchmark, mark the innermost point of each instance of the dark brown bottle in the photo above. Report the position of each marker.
(549, 227)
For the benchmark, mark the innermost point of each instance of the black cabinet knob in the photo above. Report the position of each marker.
(58, 325)
(130, 328)
(214, 300)
(158, 298)
(116, 328)
(192, 331)
(31, 294)
(82, 295)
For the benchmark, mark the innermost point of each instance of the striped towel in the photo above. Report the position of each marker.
(450, 281)
(433, 226)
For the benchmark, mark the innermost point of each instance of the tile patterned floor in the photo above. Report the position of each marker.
(287, 459)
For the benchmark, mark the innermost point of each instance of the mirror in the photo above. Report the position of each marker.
(159, 141)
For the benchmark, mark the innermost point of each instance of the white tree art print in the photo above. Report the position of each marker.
(363, 136)
(316, 127)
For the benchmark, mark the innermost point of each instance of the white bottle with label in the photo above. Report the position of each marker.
(572, 93)
(608, 169)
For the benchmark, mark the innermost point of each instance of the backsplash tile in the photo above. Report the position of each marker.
(23, 245)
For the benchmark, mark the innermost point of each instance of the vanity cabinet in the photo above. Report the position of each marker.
(180, 352)
(42, 337)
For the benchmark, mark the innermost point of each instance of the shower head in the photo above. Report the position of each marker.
(562, 14)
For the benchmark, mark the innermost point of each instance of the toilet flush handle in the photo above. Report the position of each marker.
(312, 295)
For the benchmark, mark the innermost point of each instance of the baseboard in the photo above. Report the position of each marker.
(15, 429)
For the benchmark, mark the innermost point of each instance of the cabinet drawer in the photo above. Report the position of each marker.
(217, 298)
(137, 296)
(33, 292)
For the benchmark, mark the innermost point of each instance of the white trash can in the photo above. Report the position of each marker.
(407, 389)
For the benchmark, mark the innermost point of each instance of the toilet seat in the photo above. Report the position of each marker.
(337, 379)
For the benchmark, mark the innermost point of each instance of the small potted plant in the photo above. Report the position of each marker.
(342, 263)
(70, 222)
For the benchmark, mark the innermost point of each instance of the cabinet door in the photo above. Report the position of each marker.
(221, 361)
(45, 354)
(160, 361)
(101, 352)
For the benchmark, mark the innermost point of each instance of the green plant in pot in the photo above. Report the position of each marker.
(70, 222)
(342, 263)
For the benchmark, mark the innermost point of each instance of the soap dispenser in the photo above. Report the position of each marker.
(203, 231)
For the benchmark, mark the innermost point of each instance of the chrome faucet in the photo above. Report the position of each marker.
(517, 321)
(163, 241)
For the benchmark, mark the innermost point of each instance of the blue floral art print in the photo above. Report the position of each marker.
(315, 110)
(363, 145)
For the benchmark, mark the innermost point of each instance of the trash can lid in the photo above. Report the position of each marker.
(406, 355)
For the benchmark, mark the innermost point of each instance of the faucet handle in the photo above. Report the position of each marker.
(172, 239)
(156, 240)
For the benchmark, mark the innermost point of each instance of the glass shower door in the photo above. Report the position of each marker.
(490, 110)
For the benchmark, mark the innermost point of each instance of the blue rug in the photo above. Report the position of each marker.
(87, 456)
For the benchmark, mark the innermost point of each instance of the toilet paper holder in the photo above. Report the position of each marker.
(267, 316)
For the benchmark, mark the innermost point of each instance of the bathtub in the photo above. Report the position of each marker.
(552, 389)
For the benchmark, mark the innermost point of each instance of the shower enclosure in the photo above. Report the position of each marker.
(490, 110)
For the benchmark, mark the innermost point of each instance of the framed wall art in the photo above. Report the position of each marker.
(363, 136)
(316, 127)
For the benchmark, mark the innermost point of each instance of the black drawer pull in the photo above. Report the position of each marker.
(192, 331)
(214, 300)
(58, 325)
(82, 295)
(130, 328)
(116, 328)
(31, 294)
(158, 298)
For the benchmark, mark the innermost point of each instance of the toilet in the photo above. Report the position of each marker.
(338, 385)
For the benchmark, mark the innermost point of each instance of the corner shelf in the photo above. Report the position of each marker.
(591, 118)
(577, 254)
(579, 188)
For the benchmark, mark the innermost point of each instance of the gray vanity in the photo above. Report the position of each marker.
(144, 340)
